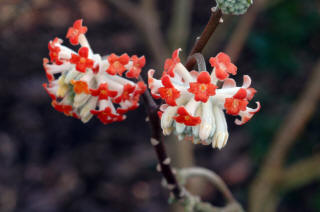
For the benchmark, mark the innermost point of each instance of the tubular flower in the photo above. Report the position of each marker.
(170, 63)
(223, 66)
(76, 31)
(81, 86)
(194, 102)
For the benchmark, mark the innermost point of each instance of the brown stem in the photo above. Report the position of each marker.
(213, 22)
(157, 141)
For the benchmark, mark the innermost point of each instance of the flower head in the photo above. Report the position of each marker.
(234, 7)
(81, 86)
(195, 103)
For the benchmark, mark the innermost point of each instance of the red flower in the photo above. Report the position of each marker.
(171, 63)
(140, 89)
(137, 65)
(103, 92)
(168, 92)
(117, 63)
(52, 96)
(54, 51)
(203, 88)
(125, 110)
(82, 61)
(223, 66)
(80, 87)
(233, 106)
(105, 116)
(95, 70)
(241, 94)
(185, 118)
(237, 103)
(75, 31)
(127, 90)
(66, 109)
(50, 76)
(160, 114)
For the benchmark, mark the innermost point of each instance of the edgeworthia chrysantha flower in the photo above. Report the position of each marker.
(195, 103)
(83, 84)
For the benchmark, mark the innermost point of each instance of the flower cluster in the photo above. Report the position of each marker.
(195, 103)
(234, 7)
(83, 84)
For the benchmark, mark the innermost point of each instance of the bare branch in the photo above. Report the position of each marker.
(164, 162)
(195, 204)
(301, 173)
(187, 173)
(214, 21)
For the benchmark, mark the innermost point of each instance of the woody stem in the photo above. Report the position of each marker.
(201, 42)
(157, 142)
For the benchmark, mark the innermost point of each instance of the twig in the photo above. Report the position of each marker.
(187, 173)
(157, 142)
(211, 26)
(195, 204)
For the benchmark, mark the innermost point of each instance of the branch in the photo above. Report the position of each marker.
(157, 142)
(301, 173)
(187, 173)
(211, 26)
(147, 22)
(193, 203)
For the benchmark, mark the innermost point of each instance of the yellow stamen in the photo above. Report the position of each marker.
(82, 60)
(203, 87)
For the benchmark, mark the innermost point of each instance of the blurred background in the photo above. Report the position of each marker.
(50, 162)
